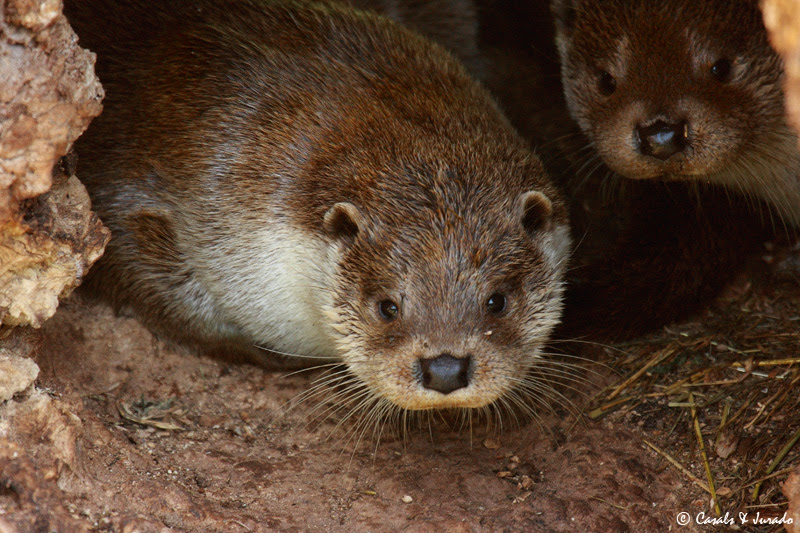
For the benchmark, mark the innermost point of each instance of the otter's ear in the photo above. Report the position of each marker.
(535, 211)
(342, 221)
(565, 12)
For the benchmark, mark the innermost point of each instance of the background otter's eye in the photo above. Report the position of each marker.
(496, 303)
(721, 70)
(388, 310)
(606, 83)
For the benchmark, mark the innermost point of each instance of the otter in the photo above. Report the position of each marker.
(301, 182)
(684, 90)
(648, 252)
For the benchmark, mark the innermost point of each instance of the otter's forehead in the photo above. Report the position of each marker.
(452, 254)
(645, 28)
(482, 179)
(440, 223)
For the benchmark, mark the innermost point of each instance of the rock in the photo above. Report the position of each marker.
(29, 501)
(17, 369)
(782, 19)
(45, 255)
(16, 375)
(48, 95)
(791, 489)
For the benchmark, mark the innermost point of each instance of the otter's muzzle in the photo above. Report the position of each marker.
(445, 373)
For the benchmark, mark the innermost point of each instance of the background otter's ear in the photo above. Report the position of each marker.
(342, 221)
(535, 211)
(565, 12)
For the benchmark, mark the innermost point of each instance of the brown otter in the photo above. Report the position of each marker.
(681, 90)
(321, 183)
(647, 252)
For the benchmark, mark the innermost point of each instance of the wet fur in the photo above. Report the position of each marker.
(272, 170)
(660, 54)
(647, 252)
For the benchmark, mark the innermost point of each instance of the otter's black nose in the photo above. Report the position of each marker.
(445, 373)
(661, 139)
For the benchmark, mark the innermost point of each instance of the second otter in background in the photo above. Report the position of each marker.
(681, 90)
(648, 252)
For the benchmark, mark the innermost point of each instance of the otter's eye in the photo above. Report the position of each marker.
(388, 310)
(606, 83)
(721, 70)
(496, 303)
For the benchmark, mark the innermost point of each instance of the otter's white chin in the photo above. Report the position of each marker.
(466, 398)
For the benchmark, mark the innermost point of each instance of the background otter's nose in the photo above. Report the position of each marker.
(445, 373)
(662, 139)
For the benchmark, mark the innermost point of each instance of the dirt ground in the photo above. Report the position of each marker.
(123, 433)
(237, 459)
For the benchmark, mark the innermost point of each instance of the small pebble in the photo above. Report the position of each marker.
(407, 499)
(491, 444)
(525, 483)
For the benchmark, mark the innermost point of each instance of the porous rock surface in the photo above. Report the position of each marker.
(782, 18)
(48, 95)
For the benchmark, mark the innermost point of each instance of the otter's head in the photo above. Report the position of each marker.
(446, 286)
(687, 89)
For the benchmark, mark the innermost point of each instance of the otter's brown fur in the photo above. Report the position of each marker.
(647, 252)
(681, 90)
(275, 172)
